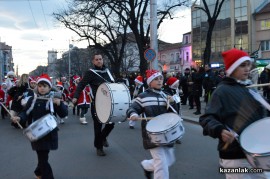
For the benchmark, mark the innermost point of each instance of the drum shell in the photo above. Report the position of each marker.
(255, 143)
(40, 128)
(259, 160)
(166, 137)
(165, 129)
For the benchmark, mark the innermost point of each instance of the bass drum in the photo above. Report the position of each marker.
(112, 101)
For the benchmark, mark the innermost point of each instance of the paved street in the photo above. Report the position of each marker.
(76, 157)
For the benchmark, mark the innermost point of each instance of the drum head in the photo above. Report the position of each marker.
(255, 138)
(103, 103)
(162, 122)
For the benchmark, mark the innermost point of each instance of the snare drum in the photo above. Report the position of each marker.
(165, 129)
(112, 101)
(255, 141)
(40, 127)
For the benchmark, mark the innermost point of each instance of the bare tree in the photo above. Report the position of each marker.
(103, 21)
(133, 13)
(99, 25)
(211, 20)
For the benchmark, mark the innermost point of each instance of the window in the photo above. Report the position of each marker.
(172, 57)
(177, 56)
(187, 56)
(265, 45)
(265, 24)
(186, 39)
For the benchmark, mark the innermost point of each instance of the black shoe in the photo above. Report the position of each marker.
(131, 127)
(105, 143)
(183, 104)
(147, 174)
(100, 152)
(178, 141)
(197, 113)
(190, 107)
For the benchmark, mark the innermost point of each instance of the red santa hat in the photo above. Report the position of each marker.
(46, 78)
(75, 77)
(151, 75)
(11, 73)
(59, 84)
(172, 81)
(139, 80)
(233, 58)
(32, 79)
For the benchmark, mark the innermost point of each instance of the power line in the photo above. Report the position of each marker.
(32, 13)
(44, 14)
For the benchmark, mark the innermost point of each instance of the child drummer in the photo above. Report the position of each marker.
(34, 110)
(153, 102)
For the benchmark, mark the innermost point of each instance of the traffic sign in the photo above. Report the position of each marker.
(149, 54)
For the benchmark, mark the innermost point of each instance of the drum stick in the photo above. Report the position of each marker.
(10, 114)
(226, 146)
(258, 85)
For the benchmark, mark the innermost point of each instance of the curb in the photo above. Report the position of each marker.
(190, 120)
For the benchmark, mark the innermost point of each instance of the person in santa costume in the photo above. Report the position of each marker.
(72, 88)
(172, 88)
(83, 102)
(152, 103)
(3, 99)
(11, 78)
(139, 88)
(231, 109)
(35, 109)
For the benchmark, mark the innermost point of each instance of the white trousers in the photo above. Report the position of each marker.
(241, 163)
(163, 158)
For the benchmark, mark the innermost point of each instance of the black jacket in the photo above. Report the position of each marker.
(152, 104)
(93, 80)
(231, 105)
(50, 141)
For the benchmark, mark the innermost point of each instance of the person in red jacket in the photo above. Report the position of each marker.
(3, 99)
(83, 103)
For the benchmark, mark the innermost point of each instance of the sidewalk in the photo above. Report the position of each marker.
(187, 114)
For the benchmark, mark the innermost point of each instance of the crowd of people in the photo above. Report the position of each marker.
(151, 95)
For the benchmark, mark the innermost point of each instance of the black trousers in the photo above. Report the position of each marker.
(84, 109)
(100, 133)
(43, 168)
(3, 112)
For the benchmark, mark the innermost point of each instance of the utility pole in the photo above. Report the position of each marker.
(153, 31)
(69, 69)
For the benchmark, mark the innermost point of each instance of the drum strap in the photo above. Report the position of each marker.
(165, 97)
(260, 99)
(109, 73)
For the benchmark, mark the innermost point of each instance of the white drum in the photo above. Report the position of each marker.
(255, 140)
(112, 101)
(40, 127)
(165, 129)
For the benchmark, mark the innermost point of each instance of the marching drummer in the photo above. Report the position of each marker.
(231, 109)
(152, 103)
(35, 109)
(95, 77)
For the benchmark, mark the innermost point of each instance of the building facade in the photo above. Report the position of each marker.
(262, 29)
(234, 28)
(6, 60)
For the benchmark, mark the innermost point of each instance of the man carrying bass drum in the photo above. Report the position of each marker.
(95, 77)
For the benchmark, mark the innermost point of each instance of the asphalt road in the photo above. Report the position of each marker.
(196, 157)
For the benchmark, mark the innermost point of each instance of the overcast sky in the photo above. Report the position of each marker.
(29, 28)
